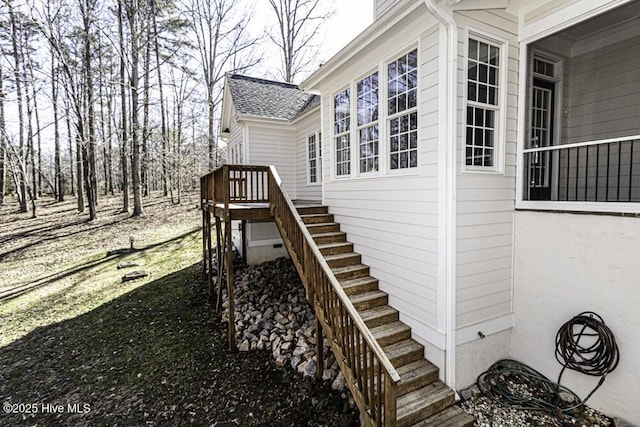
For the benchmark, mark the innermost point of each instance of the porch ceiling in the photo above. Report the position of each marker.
(603, 22)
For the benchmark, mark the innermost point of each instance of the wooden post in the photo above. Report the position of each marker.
(204, 241)
(220, 262)
(232, 323)
(319, 348)
(244, 240)
(208, 256)
(390, 401)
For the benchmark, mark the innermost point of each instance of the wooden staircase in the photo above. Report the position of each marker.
(422, 399)
(390, 380)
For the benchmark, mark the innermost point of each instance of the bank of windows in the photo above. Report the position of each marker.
(401, 139)
(483, 104)
(314, 153)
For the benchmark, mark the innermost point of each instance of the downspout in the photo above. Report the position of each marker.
(447, 137)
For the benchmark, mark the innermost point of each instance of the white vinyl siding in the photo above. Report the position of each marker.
(485, 202)
(381, 6)
(305, 126)
(273, 146)
(393, 219)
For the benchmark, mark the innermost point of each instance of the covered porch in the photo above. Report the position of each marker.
(581, 147)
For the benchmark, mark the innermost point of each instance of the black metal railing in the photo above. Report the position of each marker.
(595, 171)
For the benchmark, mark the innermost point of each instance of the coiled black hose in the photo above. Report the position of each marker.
(584, 344)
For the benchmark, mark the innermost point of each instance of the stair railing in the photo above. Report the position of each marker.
(369, 373)
(371, 377)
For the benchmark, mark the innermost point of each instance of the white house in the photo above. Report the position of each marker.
(484, 158)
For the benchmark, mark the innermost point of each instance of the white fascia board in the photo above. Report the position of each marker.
(227, 107)
(272, 122)
(399, 11)
(306, 114)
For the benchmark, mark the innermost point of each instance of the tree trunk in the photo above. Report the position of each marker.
(37, 169)
(67, 114)
(59, 177)
(135, 146)
(123, 98)
(90, 158)
(145, 115)
(31, 189)
(16, 71)
(79, 168)
(3, 144)
(163, 124)
(110, 140)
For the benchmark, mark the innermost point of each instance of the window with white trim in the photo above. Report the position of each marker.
(402, 92)
(313, 151)
(367, 128)
(483, 105)
(342, 121)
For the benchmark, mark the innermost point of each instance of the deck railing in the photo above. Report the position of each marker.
(605, 170)
(371, 377)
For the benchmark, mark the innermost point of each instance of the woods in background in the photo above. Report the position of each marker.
(123, 96)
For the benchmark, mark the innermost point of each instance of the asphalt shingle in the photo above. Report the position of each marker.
(269, 99)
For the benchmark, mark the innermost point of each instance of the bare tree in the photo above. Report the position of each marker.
(21, 178)
(3, 143)
(299, 24)
(220, 28)
(133, 14)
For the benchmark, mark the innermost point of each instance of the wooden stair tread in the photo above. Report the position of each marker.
(307, 210)
(388, 329)
(335, 245)
(349, 268)
(321, 237)
(415, 375)
(342, 259)
(320, 218)
(359, 285)
(367, 295)
(369, 299)
(453, 416)
(423, 402)
(376, 315)
(404, 352)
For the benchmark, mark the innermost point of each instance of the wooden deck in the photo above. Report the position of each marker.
(249, 211)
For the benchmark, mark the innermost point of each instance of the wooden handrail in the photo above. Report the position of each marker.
(361, 353)
(371, 377)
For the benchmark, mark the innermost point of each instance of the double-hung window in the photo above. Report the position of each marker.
(402, 111)
(313, 147)
(367, 129)
(483, 104)
(342, 121)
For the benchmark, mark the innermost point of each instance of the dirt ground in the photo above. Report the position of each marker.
(80, 347)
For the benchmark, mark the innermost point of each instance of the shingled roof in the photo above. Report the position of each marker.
(268, 99)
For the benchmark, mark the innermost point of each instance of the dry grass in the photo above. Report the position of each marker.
(147, 352)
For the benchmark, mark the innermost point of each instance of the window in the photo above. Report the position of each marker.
(342, 120)
(313, 148)
(483, 75)
(402, 111)
(367, 129)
